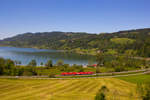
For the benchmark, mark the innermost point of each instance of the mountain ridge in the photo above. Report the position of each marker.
(137, 40)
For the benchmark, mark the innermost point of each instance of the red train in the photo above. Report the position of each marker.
(77, 73)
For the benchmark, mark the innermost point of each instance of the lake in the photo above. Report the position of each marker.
(25, 55)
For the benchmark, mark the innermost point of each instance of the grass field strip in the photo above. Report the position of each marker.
(56, 90)
(65, 89)
(38, 90)
(83, 87)
(122, 90)
(21, 86)
(21, 91)
(53, 90)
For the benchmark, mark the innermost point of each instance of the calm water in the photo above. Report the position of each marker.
(25, 55)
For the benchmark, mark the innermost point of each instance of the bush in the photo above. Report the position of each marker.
(101, 93)
(100, 96)
(98, 70)
(144, 91)
(27, 73)
(119, 69)
(60, 63)
(51, 75)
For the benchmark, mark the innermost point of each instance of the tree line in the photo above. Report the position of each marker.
(106, 62)
(118, 42)
(14, 68)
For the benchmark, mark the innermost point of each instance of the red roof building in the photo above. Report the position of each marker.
(94, 65)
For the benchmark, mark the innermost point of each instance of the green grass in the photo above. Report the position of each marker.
(136, 78)
(65, 89)
(122, 40)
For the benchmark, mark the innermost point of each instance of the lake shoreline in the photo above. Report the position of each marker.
(69, 57)
(81, 51)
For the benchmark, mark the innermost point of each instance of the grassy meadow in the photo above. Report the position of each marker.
(136, 78)
(65, 89)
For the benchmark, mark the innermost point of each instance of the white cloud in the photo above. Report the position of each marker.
(5, 35)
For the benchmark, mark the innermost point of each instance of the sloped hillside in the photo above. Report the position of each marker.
(122, 41)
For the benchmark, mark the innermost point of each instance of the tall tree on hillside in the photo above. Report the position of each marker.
(32, 63)
(41, 63)
(2, 64)
(100, 58)
(49, 64)
(9, 64)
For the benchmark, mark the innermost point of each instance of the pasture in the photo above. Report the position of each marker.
(145, 78)
(65, 89)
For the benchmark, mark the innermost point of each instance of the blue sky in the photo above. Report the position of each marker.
(94, 16)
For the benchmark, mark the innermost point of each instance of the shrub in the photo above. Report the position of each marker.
(119, 69)
(101, 94)
(60, 63)
(51, 75)
(144, 91)
(98, 70)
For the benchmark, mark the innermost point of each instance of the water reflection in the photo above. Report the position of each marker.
(42, 55)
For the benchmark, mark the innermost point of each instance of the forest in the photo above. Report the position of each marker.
(136, 42)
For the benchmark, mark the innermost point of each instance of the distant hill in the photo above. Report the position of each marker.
(121, 42)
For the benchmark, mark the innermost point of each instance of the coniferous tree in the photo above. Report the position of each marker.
(32, 63)
(49, 64)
